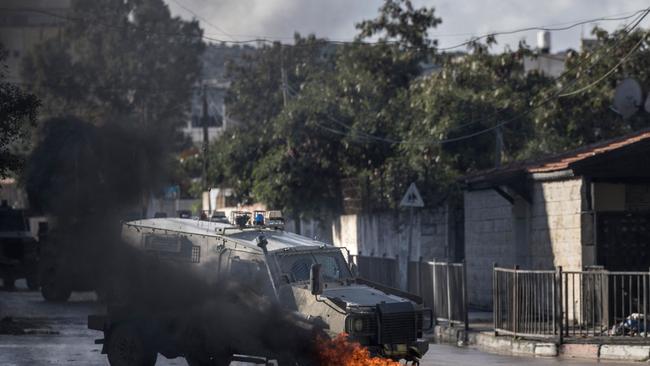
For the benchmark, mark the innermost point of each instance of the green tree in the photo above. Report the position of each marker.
(18, 112)
(576, 119)
(293, 156)
(373, 84)
(119, 61)
(473, 94)
(256, 97)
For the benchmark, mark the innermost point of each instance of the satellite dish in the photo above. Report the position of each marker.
(628, 98)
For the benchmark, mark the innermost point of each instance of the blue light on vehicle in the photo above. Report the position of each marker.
(259, 219)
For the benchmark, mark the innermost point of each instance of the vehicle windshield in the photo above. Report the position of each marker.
(297, 266)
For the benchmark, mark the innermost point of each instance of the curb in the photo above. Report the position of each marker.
(488, 342)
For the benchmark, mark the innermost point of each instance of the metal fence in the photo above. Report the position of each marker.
(442, 285)
(382, 269)
(600, 303)
(443, 288)
(526, 303)
(571, 304)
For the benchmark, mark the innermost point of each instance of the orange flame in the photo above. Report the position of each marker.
(342, 352)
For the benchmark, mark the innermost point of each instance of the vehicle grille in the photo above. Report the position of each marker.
(397, 323)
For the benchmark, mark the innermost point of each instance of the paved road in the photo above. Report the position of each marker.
(72, 344)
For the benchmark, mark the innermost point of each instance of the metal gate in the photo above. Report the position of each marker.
(623, 240)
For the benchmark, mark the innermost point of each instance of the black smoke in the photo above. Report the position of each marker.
(90, 178)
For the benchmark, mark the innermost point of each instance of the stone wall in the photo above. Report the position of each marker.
(556, 225)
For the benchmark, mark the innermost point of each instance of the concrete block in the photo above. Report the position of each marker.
(522, 347)
(615, 352)
(546, 349)
(490, 343)
(586, 351)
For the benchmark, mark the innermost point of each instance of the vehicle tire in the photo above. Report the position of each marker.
(54, 292)
(127, 348)
(196, 362)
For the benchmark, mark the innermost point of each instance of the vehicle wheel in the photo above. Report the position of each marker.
(32, 282)
(195, 362)
(127, 348)
(54, 292)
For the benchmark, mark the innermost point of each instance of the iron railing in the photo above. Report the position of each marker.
(600, 303)
(526, 303)
(443, 287)
(570, 304)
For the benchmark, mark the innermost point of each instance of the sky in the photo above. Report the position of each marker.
(334, 19)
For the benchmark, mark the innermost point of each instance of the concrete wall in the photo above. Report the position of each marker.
(489, 238)
(541, 234)
(388, 234)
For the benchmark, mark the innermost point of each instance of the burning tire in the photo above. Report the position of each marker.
(127, 348)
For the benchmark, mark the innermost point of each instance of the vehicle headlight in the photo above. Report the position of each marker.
(357, 325)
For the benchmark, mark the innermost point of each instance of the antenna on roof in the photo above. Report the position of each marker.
(628, 98)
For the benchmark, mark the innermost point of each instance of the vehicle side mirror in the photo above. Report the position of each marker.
(316, 279)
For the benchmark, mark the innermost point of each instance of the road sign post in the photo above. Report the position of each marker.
(411, 199)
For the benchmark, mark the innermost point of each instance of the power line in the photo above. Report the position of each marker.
(519, 116)
(549, 29)
(369, 136)
(264, 40)
(611, 71)
(204, 20)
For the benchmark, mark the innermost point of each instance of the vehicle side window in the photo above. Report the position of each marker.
(329, 266)
(301, 267)
(242, 269)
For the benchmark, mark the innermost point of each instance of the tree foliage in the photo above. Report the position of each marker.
(586, 117)
(370, 114)
(18, 112)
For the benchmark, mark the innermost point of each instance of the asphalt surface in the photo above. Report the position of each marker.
(60, 337)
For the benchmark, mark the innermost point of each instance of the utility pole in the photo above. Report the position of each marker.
(498, 146)
(285, 99)
(204, 121)
(283, 75)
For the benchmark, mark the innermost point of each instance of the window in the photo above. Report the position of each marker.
(297, 266)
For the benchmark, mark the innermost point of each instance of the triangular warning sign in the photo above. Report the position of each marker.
(412, 197)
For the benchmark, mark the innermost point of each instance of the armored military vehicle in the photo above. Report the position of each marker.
(305, 276)
(19, 248)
